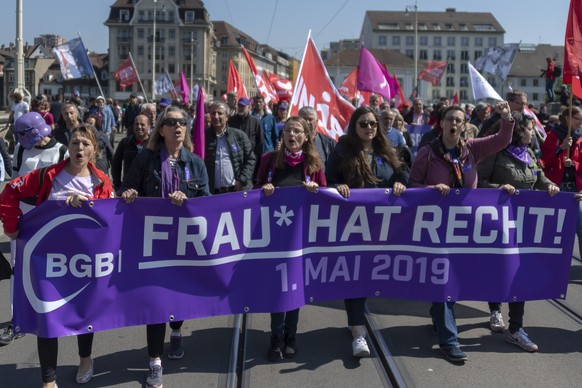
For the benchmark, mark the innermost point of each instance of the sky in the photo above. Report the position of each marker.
(284, 25)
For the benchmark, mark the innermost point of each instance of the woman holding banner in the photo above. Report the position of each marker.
(296, 163)
(449, 162)
(167, 169)
(364, 158)
(74, 180)
(512, 169)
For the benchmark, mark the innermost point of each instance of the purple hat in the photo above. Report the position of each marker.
(244, 101)
(165, 101)
(31, 128)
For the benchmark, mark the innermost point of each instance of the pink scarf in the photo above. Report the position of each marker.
(294, 158)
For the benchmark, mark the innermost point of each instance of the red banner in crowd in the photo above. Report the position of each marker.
(269, 86)
(261, 87)
(235, 83)
(573, 42)
(433, 72)
(283, 87)
(313, 87)
(126, 74)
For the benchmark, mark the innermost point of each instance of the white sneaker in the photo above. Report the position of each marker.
(496, 321)
(521, 339)
(360, 347)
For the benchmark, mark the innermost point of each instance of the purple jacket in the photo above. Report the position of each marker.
(429, 168)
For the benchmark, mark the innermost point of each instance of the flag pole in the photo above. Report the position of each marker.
(171, 82)
(138, 78)
(92, 68)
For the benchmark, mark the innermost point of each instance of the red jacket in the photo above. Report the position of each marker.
(550, 70)
(553, 164)
(29, 185)
(268, 167)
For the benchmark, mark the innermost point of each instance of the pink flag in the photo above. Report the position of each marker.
(261, 87)
(198, 125)
(573, 43)
(313, 87)
(372, 76)
(433, 72)
(235, 83)
(185, 88)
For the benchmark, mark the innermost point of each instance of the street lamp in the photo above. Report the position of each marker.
(191, 65)
(154, 55)
(415, 9)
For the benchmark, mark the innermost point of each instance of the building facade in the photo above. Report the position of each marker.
(456, 37)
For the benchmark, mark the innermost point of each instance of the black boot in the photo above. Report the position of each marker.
(275, 352)
(290, 347)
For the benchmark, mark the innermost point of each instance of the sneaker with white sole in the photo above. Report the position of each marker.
(496, 321)
(176, 349)
(521, 339)
(360, 347)
(154, 379)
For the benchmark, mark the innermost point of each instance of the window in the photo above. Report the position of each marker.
(436, 94)
(224, 54)
(464, 41)
(396, 41)
(436, 26)
(450, 67)
(424, 40)
(492, 42)
(465, 55)
(423, 54)
(26, 77)
(463, 95)
(104, 76)
(171, 51)
(536, 82)
(450, 81)
(478, 53)
(464, 81)
(478, 42)
(171, 68)
(382, 40)
(448, 26)
(437, 41)
(451, 41)
(189, 17)
(224, 66)
(422, 26)
(410, 40)
(172, 33)
(140, 51)
(141, 16)
(410, 53)
(451, 54)
(11, 77)
(523, 82)
(140, 33)
(464, 68)
(436, 55)
(171, 16)
(536, 96)
(124, 15)
(409, 26)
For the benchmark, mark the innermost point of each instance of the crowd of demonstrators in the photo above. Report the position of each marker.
(296, 163)
(17, 108)
(105, 155)
(449, 162)
(167, 168)
(363, 158)
(269, 134)
(324, 145)
(250, 125)
(417, 115)
(74, 180)
(512, 169)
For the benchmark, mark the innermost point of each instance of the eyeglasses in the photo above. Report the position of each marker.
(365, 123)
(293, 131)
(520, 103)
(455, 120)
(173, 121)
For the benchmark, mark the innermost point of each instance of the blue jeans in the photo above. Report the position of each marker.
(550, 89)
(443, 317)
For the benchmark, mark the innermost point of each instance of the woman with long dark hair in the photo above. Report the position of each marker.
(364, 158)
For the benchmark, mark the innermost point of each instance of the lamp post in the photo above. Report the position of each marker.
(191, 65)
(415, 9)
(154, 55)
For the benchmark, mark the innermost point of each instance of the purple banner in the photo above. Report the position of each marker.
(112, 264)
(416, 132)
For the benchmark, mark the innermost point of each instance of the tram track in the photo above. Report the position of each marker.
(565, 307)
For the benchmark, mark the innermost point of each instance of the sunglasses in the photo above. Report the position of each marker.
(172, 122)
(365, 123)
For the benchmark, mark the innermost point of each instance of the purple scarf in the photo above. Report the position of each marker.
(170, 178)
(294, 158)
(520, 153)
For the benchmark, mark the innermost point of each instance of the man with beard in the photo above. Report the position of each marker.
(70, 114)
(128, 148)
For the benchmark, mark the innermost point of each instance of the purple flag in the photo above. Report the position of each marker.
(152, 262)
(373, 77)
(185, 88)
(198, 126)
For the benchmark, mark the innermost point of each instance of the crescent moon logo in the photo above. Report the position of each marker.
(42, 306)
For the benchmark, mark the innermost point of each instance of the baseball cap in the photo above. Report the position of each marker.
(165, 101)
(100, 98)
(283, 105)
(31, 128)
(244, 101)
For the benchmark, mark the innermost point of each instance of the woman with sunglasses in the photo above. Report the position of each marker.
(295, 163)
(450, 162)
(167, 168)
(364, 158)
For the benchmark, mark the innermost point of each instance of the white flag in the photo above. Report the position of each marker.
(163, 84)
(481, 88)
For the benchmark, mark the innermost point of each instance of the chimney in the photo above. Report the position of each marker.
(452, 10)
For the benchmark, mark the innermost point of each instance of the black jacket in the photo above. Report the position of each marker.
(125, 153)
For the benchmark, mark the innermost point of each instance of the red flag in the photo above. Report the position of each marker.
(313, 87)
(455, 99)
(198, 125)
(126, 74)
(261, 87)
(577, 87)
(270, 88)
(433, 72)
(573, 43)
(284, 87)
(235, 83)
(399, 99)
(348, 87)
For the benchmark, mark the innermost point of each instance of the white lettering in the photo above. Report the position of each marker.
(195, 239)
(358, 223)
(149, 234)
(315, 223)
(430, 225)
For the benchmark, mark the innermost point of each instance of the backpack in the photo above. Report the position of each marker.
(557, 71)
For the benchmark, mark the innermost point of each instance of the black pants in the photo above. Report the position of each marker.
(516, 312)
(155, 337)
(356, 309)
(48, 351)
